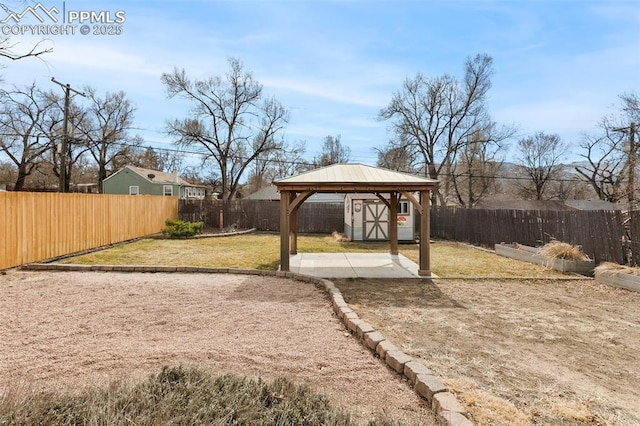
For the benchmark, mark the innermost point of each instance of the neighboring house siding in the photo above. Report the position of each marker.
(122, 181)
(119, 183)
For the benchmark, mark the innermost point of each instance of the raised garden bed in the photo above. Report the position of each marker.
(532, 255)
(619, 279)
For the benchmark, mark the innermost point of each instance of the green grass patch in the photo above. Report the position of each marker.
(180, 396)
(262, 251)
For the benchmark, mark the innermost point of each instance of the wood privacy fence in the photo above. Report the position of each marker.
(602, 234)
(39, 226)
(264, 215)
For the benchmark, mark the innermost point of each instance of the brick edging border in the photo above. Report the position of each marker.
(445, 405)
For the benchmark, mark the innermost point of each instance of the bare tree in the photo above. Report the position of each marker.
(605, 162)
(105, 127)
(151, 158)
(276, 165)
(630, 106)
(608, 153)
(396, 156)
(22, 137)
(474, 174)
(434, 117)
(231, 119)
(333, 152)
(539, 157)
(568, 186)
(7, 172)
(9, 50)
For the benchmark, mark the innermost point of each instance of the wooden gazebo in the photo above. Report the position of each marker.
(387, 185)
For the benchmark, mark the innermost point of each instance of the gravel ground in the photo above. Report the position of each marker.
(72, 330)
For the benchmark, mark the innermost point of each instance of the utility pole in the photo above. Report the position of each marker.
(62, 186)
(635, 255)
(631, 192)
(632, 166)
(631, 162)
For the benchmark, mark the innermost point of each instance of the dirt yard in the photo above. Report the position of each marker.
(66, 330)
(517, 352)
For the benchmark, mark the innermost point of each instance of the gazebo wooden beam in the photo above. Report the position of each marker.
(356, 188)
(416, 203)
(424, 269)
(293, 223)
(296, 201)
(284, 230)
(393, 223)
(384, 200)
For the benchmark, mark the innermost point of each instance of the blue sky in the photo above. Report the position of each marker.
(559, 65)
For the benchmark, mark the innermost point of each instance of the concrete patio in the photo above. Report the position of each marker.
(354, 265)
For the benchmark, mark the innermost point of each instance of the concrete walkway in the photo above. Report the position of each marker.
(353, 265)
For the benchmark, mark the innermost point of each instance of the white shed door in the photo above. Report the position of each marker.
(376, 221)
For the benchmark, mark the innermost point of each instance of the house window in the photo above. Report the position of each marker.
(168, 190)
(403, 207)
(134, 190)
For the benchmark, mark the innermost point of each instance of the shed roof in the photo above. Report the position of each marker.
(354, 178)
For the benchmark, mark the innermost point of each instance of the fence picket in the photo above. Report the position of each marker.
(39, 226)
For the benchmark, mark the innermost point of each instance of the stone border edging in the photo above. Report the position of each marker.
(444, 404)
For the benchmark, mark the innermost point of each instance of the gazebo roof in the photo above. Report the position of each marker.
(354, 178)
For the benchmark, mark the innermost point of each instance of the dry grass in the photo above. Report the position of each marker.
(179, 395)
(262, 251)
(560, 250)
(458, 260)
(516, 352)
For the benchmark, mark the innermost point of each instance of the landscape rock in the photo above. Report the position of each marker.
(397, 359)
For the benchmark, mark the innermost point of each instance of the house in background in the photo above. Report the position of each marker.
(133, 180)
(271, 193)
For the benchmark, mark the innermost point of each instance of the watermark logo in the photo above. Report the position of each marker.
(42, 20)
(37, 11)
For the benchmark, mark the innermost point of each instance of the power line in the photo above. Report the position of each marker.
(205, 155)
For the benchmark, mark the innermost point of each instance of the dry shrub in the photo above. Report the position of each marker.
(566, 251)
(182, 395)
(613, 268)
(340, 238)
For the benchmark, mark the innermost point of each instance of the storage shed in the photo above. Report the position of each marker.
(366, 218)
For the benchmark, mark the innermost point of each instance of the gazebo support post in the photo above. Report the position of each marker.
(284, 231)
(393, 223)
(293, 226)
(425, 235)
